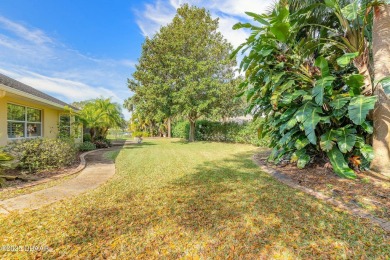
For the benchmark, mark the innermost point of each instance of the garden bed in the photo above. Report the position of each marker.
(368, 192)
(16, 178)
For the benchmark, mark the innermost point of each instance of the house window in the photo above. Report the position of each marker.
(23, 122)
(64, 126)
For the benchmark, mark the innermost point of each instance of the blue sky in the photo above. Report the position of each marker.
(82, 49)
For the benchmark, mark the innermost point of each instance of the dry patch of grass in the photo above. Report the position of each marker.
(201, 200)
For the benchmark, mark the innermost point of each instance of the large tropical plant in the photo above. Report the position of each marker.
(99, 115)
(313, 104)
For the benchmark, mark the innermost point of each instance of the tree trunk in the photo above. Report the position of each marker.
(362, 64)
(381, 115)
(169, 128)
(192, 131)
(92, 133)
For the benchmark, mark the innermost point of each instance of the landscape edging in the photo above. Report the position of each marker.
(79, 168)
(384, 224)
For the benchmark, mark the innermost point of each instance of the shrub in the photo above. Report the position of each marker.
(87, 137)
(140, 134)
(101, 144)
(40, 154)
(87, 146)
(230, 132)
(181, 130)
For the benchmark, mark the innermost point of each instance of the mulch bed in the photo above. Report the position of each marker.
(26, 177)
(369, 192)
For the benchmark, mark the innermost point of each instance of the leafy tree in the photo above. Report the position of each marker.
(184, 70)
(311, 95)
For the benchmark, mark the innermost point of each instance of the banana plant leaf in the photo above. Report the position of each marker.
(359, 107)
(346, 139)
(351, 11)
(344, 60)
(340, 166)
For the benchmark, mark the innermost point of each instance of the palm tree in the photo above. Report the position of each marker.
(99, 115)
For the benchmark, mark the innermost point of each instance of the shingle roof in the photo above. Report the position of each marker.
(12, 83)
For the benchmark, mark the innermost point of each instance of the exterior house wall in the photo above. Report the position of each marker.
(50, 117)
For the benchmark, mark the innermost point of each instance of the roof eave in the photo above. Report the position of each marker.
(27, 95)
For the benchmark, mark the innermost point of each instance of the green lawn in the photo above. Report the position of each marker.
(199, 200)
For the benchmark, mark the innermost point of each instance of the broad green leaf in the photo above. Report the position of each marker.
(351, 11)
(288, 114)
(339, 103)
(301, 158)
(318, 94)
(266, 50)
(344, 60)
(258, 17)
(340, 166)
(243, 25)
(331, 3)
(340, 113)
(367, 126)
(291, 123)
(281, 31)
(355, 82)
(320, 87)
(287, 137)
(346, 139)
(360, 142)
(328, 140)
(301, 143)
(368, 152)
(303, 111)
(288, 98)
(359, 107)
(322, 63)
(310, 122)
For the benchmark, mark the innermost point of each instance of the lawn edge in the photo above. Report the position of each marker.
(384, 224)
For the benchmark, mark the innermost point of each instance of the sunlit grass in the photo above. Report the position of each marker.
(206, 200)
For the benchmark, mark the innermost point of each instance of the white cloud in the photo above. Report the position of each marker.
(229, 12)
(32, 35)
(32, 57)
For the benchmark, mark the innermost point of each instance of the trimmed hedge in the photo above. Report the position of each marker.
(229, 132)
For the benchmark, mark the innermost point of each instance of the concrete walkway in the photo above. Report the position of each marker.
(97, 172)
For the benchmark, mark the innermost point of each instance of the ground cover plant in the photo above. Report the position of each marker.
(202, 200)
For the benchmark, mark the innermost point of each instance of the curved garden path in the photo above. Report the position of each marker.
(98, 170)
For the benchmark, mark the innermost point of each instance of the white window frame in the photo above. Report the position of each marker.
(25, 122)
(70, 123)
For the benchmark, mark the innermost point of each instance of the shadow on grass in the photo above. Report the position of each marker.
(136, 145)
(224, 204)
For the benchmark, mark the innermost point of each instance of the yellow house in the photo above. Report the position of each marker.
(26, 112)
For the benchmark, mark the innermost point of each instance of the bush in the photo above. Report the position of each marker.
(41, 154)
(140, 134)
(230, 132)
(101, 144)
(181, 130)
(87, 146)
(87, 137)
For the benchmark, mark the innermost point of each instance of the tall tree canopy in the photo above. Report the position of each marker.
(308, 70)
(184, 70)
